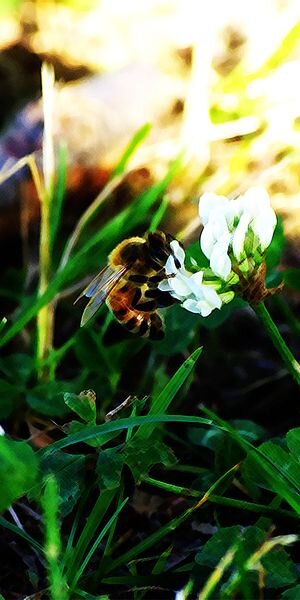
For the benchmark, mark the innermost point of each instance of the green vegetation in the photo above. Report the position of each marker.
(164, 494)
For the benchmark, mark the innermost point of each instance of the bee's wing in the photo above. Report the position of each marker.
(98, 290)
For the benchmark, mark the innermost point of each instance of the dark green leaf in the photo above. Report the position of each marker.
(109, 468)
(68, 471)
(48, 398)
(291, 594)
(9, 393)
(141, 457)
(18, 470)
(271, 467)
(194, 253)
(211, 438)
(208, 438)
(218, 545)
(280, 569)
(83, 405)
(18, 367)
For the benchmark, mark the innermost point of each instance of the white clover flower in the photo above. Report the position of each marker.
(189, 288)
(235, 230)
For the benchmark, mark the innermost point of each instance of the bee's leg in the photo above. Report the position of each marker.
(160, 276)
(139, 303)
(156, 331)
(138, 279)
(163, 299)
(153, 280)
(136, 297)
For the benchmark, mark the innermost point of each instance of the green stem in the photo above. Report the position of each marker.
(222, 500)
(289, 360)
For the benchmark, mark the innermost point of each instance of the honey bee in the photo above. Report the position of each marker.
(129, 285)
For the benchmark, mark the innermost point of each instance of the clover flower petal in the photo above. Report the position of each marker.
(238, 237)
(178, 251)
(207, 240)
(196, 282)
(189, 288)
(170, 266)
(209, 203)
(234, 230)
(263, 226)
(211, 296)
(180, 286)
(205, 308)
(220, 262)
(164, 286)
(207, 301)
(215, 232)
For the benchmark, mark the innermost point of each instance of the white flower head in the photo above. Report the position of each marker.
(235, 230)
(189, 288)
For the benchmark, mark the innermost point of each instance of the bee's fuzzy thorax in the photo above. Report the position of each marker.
(119, 255)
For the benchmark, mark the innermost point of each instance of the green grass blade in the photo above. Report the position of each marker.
(130, 217)
(95, 545)
(58, 194)
(161, 563)
(103, 195)
(94, 519)
(168, 527)
(274, 474)
(21, 533)
(158, 215)
(137, 139)
(162, 402)
(122, 424)
(110, 537)
(221, 500)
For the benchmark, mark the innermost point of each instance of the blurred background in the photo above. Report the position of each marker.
(217, 81)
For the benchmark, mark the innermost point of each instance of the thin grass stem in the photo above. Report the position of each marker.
(87, 215)
(45, 317)
(221, 500)
(289, 360)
